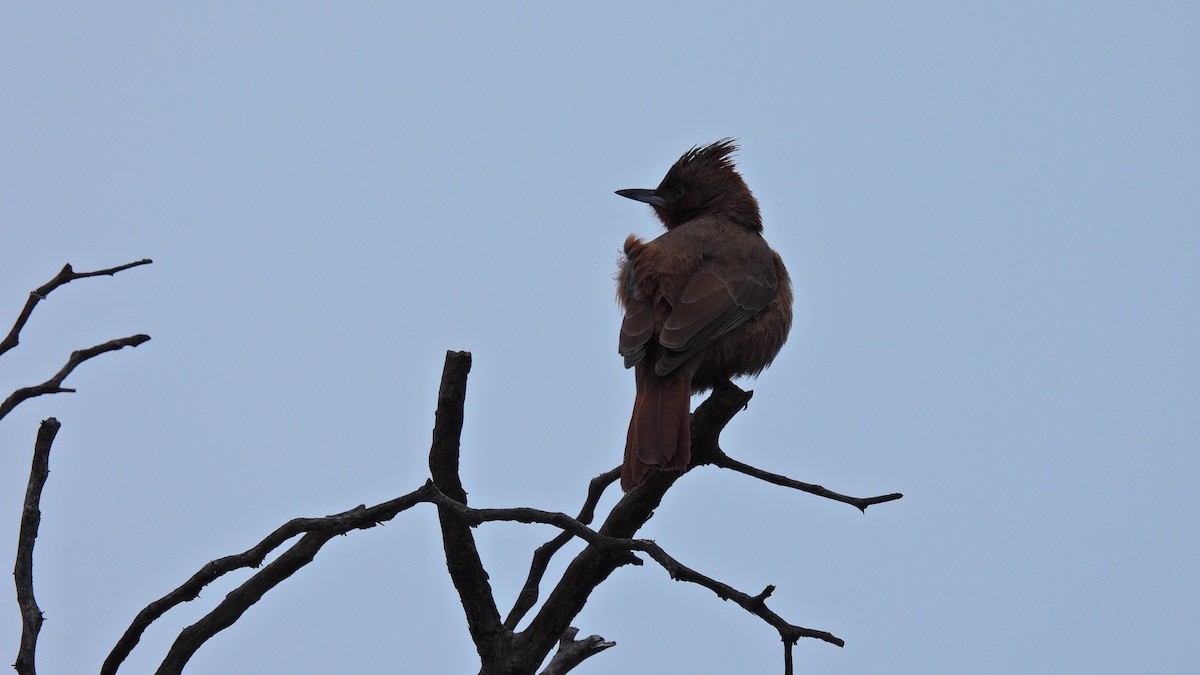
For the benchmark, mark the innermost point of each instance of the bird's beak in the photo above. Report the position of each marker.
(641, 195)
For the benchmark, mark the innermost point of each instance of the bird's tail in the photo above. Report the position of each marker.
(660, 433)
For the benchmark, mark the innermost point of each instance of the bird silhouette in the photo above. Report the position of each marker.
(706, 301)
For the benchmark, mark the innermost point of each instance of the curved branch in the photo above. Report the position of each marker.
(54, 384)
(316, 532)
(65, 276)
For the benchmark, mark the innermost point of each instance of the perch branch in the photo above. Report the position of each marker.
(724, 461)
(31, 518)
(594, 564)
(754, 604)
(54, 384)
(65, 276)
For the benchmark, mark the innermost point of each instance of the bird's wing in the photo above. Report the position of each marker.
(711, 304)
(636, 329)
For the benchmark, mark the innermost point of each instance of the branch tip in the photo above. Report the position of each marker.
(766, 593)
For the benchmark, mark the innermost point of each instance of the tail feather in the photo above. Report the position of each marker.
(660, 434)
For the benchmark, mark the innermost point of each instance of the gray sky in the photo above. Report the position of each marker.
(990, 213)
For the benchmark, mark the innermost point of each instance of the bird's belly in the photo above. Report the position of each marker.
(746, 350)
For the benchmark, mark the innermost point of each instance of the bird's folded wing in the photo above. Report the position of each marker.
(711, 305)
(636, 329)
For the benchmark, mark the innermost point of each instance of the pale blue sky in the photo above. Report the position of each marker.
(990, 212)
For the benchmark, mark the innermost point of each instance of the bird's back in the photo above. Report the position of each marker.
(708, 297)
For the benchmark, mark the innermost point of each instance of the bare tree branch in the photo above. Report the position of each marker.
(462, 557)
(54, 384)
(541, 557)
(31, 518)
(572, 652)
(65, 276)
(594, 564)
(501, 650)
(755, 604)
(719, 458)
(316, 531)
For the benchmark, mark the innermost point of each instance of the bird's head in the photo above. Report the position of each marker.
(702, 182)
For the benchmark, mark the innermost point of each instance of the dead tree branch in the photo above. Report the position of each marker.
(54, 384)
(572, 652)
(316, 531)
(541, 557)
(462, 557)
(65, 276)
(31, 614)
(31, 518)
(594, 564)
(502, 650)
(755, 604)
(724, 461)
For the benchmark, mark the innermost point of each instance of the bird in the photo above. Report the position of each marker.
(706, 301)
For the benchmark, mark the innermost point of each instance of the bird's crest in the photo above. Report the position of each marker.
(720, 152)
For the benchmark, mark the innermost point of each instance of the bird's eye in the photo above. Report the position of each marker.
(678, 192)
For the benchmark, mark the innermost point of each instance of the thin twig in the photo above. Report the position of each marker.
(724, 461)
(54, 384)
(755, 604)
(65, 276)
(31, 518)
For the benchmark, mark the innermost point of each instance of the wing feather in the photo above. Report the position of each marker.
(710, 306)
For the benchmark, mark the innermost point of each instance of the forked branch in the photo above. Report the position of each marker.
(54, 384)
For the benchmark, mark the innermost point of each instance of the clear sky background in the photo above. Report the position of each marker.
(990, 212)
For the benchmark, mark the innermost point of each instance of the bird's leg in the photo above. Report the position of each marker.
(724, 383)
